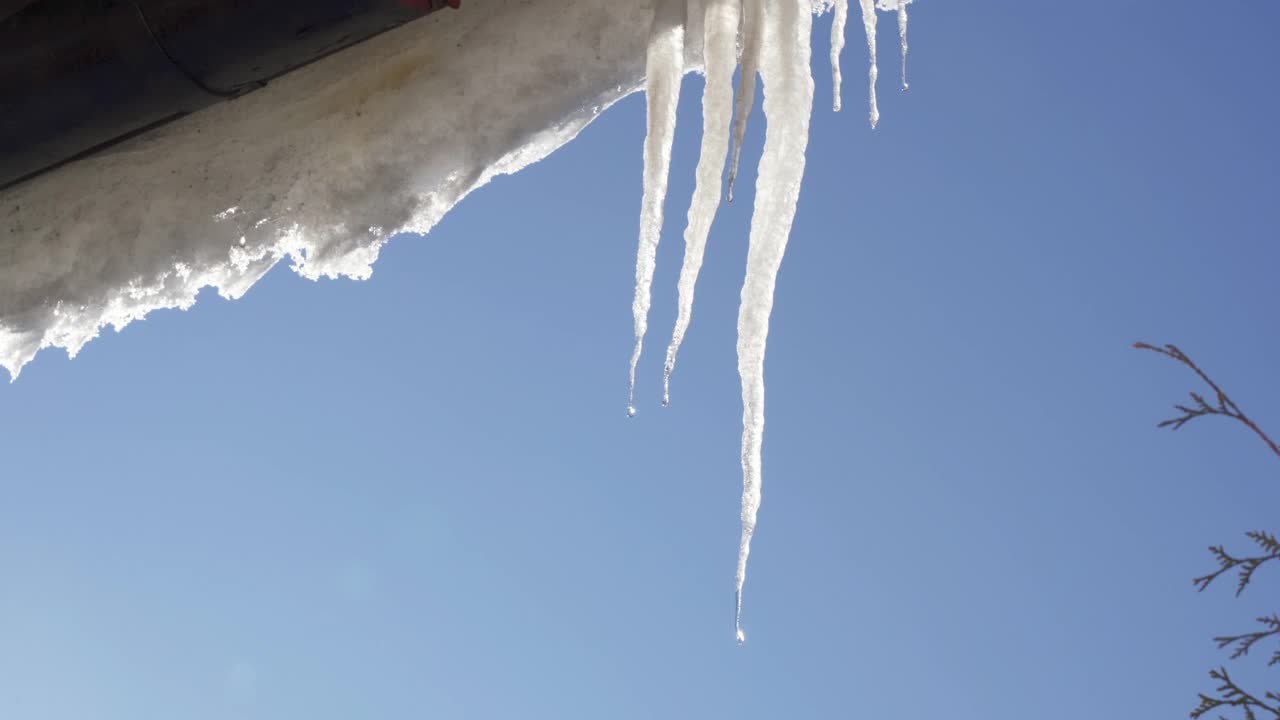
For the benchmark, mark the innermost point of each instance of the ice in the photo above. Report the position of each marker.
(900, 7)
(752, 20)
(869, 7)
(720, 34)
(837, 45)
(902, 38)
(664, 67)
(869, 23)
(788, 103)
(325, 164)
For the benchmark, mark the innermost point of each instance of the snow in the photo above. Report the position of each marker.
(663, 69)
(318, 169)
(326, 164)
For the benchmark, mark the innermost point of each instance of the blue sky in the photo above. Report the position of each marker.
(419, 496)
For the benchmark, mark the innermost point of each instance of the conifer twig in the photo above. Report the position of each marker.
(1232, 695)
(1224, 406)
(1245, 642)
(1229, 694)
(1271, 551)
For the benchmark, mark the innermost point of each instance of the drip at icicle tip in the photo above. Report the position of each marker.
(738, 634)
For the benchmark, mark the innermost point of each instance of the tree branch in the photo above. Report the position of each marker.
(1224, 406)
(1247, 565)
(1246, 641)
(1232, 695)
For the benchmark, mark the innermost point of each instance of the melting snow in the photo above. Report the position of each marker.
(318, 169)
(327, 163)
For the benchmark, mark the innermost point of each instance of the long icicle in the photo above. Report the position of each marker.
(788, 102)
(720, 35)
(837, 46)
(869, 23)
(902, 37)
(752, 19)
(664, 67)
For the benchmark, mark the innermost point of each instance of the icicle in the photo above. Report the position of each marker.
(869, 23)
(720, 36)
(837, 45)
(788, 102)
(664, 67)
(752, 20)
(900, 7)
(902, 37)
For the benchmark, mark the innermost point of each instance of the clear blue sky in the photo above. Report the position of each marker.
(419, 496)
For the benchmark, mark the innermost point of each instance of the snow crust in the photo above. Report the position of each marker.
(326, 164)
(319, 168)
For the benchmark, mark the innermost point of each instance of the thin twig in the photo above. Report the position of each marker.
(1247, 565)
(1224, 407)
(1243, 643)
(1229, 695)
(1232, 695)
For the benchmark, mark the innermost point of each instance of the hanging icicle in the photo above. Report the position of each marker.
(664, 68)
(720, 36)
(752, 19)
(775, 36)
(837, 46)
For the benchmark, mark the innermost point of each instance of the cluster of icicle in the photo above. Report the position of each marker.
(771, 38)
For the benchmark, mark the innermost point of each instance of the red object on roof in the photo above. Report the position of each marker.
(431, 4)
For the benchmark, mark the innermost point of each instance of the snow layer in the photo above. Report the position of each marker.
(321, 167)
